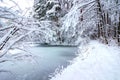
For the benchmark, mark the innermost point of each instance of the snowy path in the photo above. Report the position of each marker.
(97, 62)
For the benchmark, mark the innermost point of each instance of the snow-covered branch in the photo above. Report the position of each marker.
(86, 4)
(5, 28)
(13, 42)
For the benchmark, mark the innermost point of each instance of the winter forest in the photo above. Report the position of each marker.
(59, 39)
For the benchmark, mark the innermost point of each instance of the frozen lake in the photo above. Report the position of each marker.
(44, 61)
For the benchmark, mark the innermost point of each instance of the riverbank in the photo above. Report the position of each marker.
(47, 44)
(96, 61)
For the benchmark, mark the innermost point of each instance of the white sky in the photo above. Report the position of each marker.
(23, 4)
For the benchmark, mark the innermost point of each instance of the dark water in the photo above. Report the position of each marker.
(44, 63)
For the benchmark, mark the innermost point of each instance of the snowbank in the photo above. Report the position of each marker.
(96, 62)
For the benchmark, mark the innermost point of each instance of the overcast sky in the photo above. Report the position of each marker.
(23, 4)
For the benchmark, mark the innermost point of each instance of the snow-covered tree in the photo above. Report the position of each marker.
(82, 18)
(108, 24)
(20, 28)
(48, 12)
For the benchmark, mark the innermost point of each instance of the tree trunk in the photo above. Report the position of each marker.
(101, 24)
(118, 31)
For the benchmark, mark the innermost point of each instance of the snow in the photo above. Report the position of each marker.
(72, 27)
(95, 61)
(71, 19)
(52, 1)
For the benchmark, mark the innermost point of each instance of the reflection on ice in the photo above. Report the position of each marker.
(38, 64)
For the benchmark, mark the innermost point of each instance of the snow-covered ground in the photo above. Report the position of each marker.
(96, 61)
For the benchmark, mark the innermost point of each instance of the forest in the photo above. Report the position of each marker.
(87, 25)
